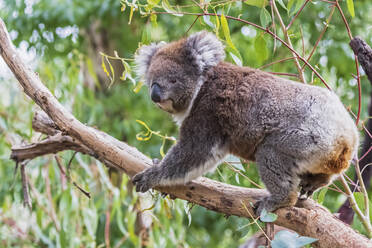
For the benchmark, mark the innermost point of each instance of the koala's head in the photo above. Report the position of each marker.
(172, 71)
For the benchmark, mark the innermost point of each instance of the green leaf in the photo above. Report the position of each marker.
(162, 148)
(282, 4)
(138, 87)
(167, 7)
(257, 3)
(152, 3)
(231, 49)
(359, 198)
(236, 57)
(146, 35)
(265, 17)
(144, 136)
(226, 31)
(290, 4)
(287, 239)
(207, 20)
(260, 46)
(303, 240)
(131, 14)
(238, 166)
(267, 216)
(321, 195)
(350, 7)
(299, 4)
(153, 19)
(90, 220)
(237, 178)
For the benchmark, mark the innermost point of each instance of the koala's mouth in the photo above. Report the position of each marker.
(166, 105)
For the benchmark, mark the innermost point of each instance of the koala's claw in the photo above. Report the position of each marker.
(142, 181)
(307, 191)
(259, 206)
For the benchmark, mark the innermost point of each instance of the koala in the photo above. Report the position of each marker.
(300, 136)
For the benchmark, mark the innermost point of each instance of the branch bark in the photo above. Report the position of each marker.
(310, 219)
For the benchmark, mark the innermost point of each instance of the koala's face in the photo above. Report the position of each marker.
(172, 71)
(171, 83)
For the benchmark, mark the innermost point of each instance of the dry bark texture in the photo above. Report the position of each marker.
(309, 219)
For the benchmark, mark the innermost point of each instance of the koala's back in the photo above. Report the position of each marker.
(254, 108)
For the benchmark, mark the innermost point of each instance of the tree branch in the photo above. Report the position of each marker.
(310, 220)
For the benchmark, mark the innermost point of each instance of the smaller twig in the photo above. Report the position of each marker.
(302, 42)
(192, 25)
(285, 74)
(321, 35)
(365, 221)
(82, 190)
(69, 164)
(64, 176)
(351, 182)
(364, 167)
(26, 193)
(273, 26)
(356, 62)
(275, 62)
(246, 177)
(364, 192)
(255, 220)
(365, 154)
(344, 20)
(327, 1)
(298, 12)
(336, 189)
(62, 171)
(289, 42)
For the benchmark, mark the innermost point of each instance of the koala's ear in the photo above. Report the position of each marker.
(143, 57)
(204, 49)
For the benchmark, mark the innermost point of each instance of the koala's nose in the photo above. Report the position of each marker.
(155, 93)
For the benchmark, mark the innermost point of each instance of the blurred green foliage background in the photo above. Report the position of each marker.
(62, 41)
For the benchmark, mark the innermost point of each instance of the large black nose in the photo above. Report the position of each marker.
(155, 93)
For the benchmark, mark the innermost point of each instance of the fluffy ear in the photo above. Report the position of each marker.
(205, 50)
(143, 57)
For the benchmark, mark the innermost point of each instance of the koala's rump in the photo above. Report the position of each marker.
(314, 128)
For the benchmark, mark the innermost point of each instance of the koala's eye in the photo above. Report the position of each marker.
(153, 83)
(173, 81)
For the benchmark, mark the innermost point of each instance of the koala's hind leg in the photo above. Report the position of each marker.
(311, 182)
(276, 171)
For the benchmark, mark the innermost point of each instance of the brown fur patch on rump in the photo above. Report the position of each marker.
(339, 159)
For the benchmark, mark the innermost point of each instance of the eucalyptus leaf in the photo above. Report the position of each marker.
(257, 3)
(267, 216)
(350, 7)
(265, 17)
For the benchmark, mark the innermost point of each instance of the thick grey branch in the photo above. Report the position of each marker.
(364, 53)
(311, 220)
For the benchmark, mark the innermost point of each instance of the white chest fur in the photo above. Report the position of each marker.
(180, 117)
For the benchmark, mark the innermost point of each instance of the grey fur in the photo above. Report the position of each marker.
(299, 135)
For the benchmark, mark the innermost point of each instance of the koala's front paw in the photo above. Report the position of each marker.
(259, 206)
(144, 180)
(307, 190)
